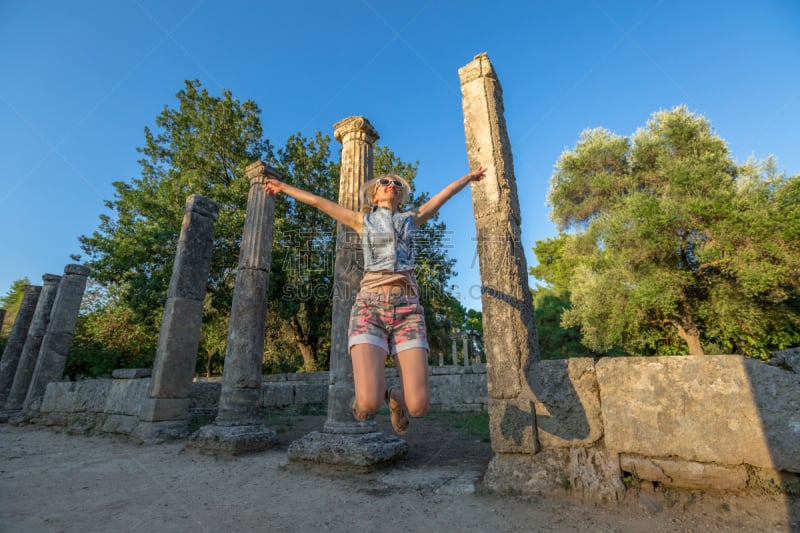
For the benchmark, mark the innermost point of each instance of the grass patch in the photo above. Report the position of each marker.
(469, 423)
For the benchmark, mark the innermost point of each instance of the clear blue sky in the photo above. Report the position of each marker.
(81, 80)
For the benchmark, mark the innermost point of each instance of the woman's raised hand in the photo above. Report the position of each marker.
(273, 186)
(477, 175)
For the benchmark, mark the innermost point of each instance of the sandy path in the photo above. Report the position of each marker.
(50, 481)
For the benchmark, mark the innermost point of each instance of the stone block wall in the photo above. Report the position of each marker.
(113, 405)
(709, 422)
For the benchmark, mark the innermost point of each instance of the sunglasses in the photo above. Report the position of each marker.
(385, 182)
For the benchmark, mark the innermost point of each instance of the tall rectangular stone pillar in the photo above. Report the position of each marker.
(508, 316)
(239, 426)
(17, 338)
(345, 440)
(55, 345)
(33, 343)
(164, 414)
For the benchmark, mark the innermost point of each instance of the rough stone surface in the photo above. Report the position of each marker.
(232, 440)
(193, 254)
(176, 352)
(55, 345)
(132, 373)
(33, 343)
(357, 136)
(124, 424)
(446, 388)
(76, 396)
(789, 359)
(512, 425)
(567, 400)
(157, 432)
(179, 336)
(164, 409)
(365, 449)
(685, 474)
(205, 394)
(588, 473)
(16, 340)
(310, 393)
(126, 396)
(240, 396)
(508, 316)
(707, 409)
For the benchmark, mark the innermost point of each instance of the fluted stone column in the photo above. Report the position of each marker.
(33, 343)
(164, 414)
(55, 345)
(344, 440)
(508, 319)
(17, 338)
(239, 426)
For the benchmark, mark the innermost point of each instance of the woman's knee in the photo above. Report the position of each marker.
(369, 402)
(417, 407)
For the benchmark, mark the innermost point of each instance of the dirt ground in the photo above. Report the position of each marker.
(52, 481)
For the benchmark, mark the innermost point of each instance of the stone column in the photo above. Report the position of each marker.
(164, 414)
(357, 136)
(345, 440)
(508, 319)
(454, 350)
(17, 338)
(465, 349)
(33, 343)
(239, 426)
(55, 344)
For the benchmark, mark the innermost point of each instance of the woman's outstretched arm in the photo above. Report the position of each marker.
(352, 219)
(429, 208)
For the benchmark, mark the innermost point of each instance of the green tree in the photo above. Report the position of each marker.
(301, 277)
(11, 303)
(201, 147)
(673, 247)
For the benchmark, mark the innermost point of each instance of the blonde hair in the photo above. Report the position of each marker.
(369, 187)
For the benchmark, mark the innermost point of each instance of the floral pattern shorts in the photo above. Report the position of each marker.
(395, 323)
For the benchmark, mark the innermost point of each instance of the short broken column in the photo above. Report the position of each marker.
(55, 346)
(16, 341)
(239, 425)
(33, 343)
(508, 316)
(165, 413)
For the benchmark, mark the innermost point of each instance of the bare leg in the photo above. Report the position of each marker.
(413, 370)
(369, 376)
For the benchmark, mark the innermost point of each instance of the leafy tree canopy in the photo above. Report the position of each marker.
(668, 246)
(11, 303)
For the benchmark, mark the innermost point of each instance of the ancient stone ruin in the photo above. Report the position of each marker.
(578, 426)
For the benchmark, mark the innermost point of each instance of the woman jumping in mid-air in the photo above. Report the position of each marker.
(386, 317)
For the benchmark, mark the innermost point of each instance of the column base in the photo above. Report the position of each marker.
(232, 440)
(363, 449)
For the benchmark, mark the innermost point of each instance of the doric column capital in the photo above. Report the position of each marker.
(259, 171)
(356, 125)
